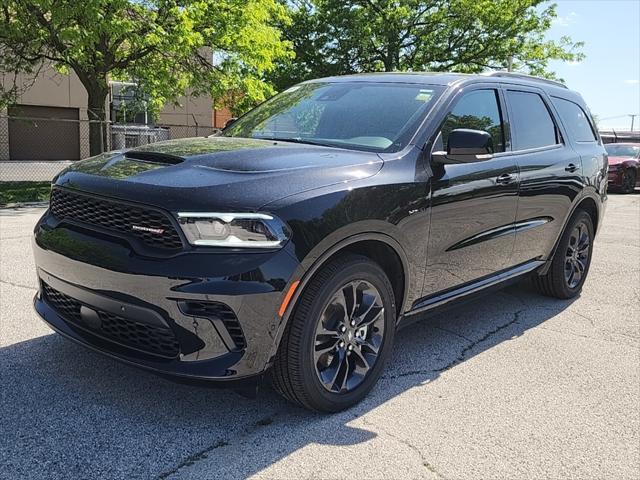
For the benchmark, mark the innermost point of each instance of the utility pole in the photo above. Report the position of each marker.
(633, 117)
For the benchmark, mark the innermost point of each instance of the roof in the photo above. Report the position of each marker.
(447, 79)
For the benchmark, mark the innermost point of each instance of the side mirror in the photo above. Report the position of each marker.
(230, 122)
(466, 146)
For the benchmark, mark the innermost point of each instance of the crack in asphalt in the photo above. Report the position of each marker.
(589, 337)
(407, 443)
(192, 459)
(462, 356)
(14, 238)
(204, 454)
(18, 285)
(459, 335)
(589, 319)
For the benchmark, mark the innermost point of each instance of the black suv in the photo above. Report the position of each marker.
(297, 241)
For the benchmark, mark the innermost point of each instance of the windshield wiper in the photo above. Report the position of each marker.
(294, 140)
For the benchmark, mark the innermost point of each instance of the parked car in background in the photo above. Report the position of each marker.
(298, 241)
(624, 163)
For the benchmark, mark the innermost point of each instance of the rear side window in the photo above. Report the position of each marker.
(531, 122)
(476, 110)
(575, 120)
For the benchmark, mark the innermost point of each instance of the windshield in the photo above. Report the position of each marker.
(363, 116)
(616, 150)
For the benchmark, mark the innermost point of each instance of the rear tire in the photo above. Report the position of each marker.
(329, 340)
(571, 261)
(629, 181)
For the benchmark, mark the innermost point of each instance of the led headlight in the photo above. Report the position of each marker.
(237, 230)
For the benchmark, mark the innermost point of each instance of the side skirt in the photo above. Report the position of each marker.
(466, 292)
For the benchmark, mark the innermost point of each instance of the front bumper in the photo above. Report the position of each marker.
(105, 277)
(615, 177)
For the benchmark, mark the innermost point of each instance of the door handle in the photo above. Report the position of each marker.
(571, 168)
(506, 179)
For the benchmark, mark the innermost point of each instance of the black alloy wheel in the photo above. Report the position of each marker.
(349, 334)
(577, 255)
(339, 336)
(569, 266)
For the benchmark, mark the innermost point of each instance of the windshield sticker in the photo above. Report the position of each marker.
(424, 95)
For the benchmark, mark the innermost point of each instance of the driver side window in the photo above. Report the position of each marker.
(476, 110)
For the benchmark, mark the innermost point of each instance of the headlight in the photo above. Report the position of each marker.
(237, 230)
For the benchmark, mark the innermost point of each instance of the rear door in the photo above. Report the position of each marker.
(550, 172)
(577, 121)
(473, 205)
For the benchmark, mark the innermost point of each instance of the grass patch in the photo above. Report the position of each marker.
(18, 192)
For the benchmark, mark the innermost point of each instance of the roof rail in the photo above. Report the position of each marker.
(524, 76)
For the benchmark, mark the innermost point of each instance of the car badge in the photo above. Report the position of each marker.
(140, 228)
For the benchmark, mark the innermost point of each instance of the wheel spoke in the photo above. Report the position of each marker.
(372, 345)
(329, 375)
(368, 302)
(322, 348)
(584, 249)
(325, 332)
(345, 374)
(362, 365)
(339, 300)
(349, 294)
(577, 275)
(571, 275)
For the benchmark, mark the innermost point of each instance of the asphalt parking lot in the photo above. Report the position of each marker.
(512, 386)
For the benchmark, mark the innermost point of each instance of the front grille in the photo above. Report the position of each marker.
(141, 336)
(151, 227)
(220, 311)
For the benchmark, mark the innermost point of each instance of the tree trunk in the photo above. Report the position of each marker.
(97, 119)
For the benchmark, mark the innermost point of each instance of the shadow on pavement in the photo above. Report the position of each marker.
(67, 412)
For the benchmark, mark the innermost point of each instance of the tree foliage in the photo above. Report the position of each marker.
(349, 36)
(217, 47)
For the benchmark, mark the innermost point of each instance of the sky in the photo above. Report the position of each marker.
(609, 77)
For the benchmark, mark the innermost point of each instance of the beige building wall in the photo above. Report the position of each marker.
(49, 89)
(53, 89)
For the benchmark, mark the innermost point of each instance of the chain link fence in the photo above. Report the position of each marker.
(36, 149)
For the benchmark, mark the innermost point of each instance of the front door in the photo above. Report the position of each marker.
(473, 205)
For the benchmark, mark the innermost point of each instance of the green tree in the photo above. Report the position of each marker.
(348, 36)
(216, 47)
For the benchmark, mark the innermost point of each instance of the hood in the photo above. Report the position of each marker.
(217, 172)
(618, 160)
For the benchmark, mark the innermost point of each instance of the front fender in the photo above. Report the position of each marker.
(319, 256)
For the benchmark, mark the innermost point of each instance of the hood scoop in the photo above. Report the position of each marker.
(154, 157)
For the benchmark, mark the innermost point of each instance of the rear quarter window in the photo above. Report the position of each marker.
(576, 120)
(531, 121)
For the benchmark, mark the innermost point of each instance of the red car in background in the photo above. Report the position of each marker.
(624, 163)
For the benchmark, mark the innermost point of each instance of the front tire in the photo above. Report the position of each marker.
(339, 336)
(571, 261)
(629, 181)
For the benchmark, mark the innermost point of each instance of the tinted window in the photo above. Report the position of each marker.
(477, 110)
(360, 115)
(531, 122)
(575, 119)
